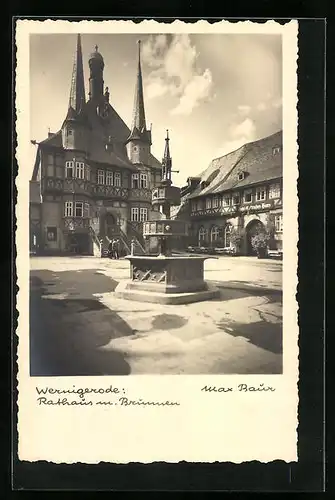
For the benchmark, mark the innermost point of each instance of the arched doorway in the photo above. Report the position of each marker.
(202, 236)
(215, 235)
(254, 227)
(110, 225)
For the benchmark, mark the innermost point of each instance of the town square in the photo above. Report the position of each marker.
(148, 266)
(78, 327)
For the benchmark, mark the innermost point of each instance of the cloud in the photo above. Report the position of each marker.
(244, 109)
(238, 134)
(261, 106)
(174, 72)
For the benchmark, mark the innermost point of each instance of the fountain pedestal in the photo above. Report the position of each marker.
(166, 280)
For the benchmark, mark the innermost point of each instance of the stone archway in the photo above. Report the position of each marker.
(255, 226)
(110, 224)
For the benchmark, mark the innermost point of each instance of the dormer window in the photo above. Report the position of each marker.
(204, 184)
(276, 150)
(241, 176)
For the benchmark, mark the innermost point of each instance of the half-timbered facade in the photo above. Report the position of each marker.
(238, 194)
(92, 180)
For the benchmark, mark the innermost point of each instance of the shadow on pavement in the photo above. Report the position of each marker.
(263, 334)
(247, 287)
(69, 336)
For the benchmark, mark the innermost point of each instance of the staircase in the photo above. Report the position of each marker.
(135, 232)
(101, 245)
(97, 245)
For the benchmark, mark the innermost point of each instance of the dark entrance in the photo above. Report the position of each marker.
(79, 244)
(254, 227)
(112, 229)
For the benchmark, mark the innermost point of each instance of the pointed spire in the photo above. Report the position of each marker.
(138, 127)
(167, 160)
(77, 93)
(167, 155)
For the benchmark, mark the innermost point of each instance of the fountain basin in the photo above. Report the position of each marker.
(166, 280)
(165, 227)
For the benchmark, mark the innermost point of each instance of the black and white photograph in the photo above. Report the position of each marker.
(156, 163)
(156, 207)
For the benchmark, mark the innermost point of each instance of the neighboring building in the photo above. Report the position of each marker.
(237, 195)
(92, 180)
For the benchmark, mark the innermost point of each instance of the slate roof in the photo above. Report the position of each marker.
(256, 159)
(34, 192)
(100, 130)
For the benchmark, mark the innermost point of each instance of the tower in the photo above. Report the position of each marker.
(96, 81)
(167, 162)
(77, 92)
(139, 140)
(74, 128)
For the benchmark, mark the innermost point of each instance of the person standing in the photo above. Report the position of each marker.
(112, 246)
(117, 249)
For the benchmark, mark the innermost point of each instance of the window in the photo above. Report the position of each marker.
(117, 179)
(200, 205)
(274, 191)
(134, 214)
(276, 150)
(143, 214)
(134, 181)
(241, 176)
(59, 160)
(144, 180)
(68, 209)
(194, 206)
(236, 199)
(227, 233)
(50, 159)
(78, 211)
(88, 173)
(86, 210)
(260, 193)
(161, 193)
(202, 235)
(69, 167)
(247, 196)
(215, 202)
(59, 172)
(50, 170)
(69, 132)
(109, 178)
(101, 177)
(80, 170)
(215, 233)
(279, 223)
(208, 203)
(51, 233)
(226, 201)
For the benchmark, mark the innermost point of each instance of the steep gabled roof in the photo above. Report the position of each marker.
(215, 175)
(112, 127)
(54, 140)
(34, 192)
(256, 159)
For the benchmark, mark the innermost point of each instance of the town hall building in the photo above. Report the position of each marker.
(92, 180)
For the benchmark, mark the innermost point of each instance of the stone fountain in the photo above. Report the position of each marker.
(166, 278)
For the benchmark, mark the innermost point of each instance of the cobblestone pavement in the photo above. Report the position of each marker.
(78, 326)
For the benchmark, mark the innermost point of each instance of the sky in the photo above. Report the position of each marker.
(214, 92)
